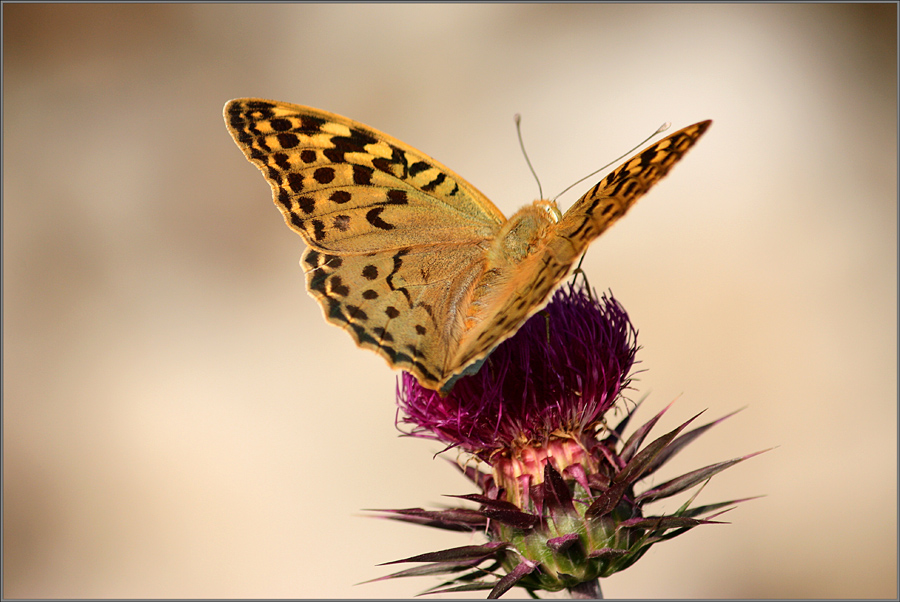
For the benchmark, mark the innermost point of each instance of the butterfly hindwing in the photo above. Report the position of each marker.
(402, 304)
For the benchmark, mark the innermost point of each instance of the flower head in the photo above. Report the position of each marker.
(561, 505)
(557, 376)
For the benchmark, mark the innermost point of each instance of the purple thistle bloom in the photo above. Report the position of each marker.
(561, 506)
(560, 373)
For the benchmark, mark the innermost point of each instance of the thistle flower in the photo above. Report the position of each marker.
(560, 506)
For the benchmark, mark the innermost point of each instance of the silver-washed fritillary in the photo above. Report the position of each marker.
(405, 255)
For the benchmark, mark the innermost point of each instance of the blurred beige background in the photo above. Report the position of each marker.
(179, 420)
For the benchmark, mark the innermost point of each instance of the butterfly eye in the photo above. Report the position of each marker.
(551, 208)
(555, 212)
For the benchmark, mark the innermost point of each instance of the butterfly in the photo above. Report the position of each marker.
(408, 257)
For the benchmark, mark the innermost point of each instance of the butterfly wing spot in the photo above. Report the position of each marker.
(322, 175)
(307, 204)
(294, 180)
(370, 272)
(282, 161)
(373, 216)
(280, 125)
(401, 249)
(342, 222)
(397, 197)
(428, 309)
(311, 259)
(417, 168)
(398, 263)
(318, 229)
(355, 313)
(383, 335)
(337, 287)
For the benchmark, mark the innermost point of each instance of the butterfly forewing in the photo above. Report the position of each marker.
(615, 194)
(348, 188)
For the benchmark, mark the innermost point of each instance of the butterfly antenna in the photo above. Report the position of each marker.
(659, 130)
(518, 119)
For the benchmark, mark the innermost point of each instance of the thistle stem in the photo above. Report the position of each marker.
(589, 590)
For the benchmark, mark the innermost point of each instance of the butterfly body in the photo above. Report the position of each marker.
(409, 258)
